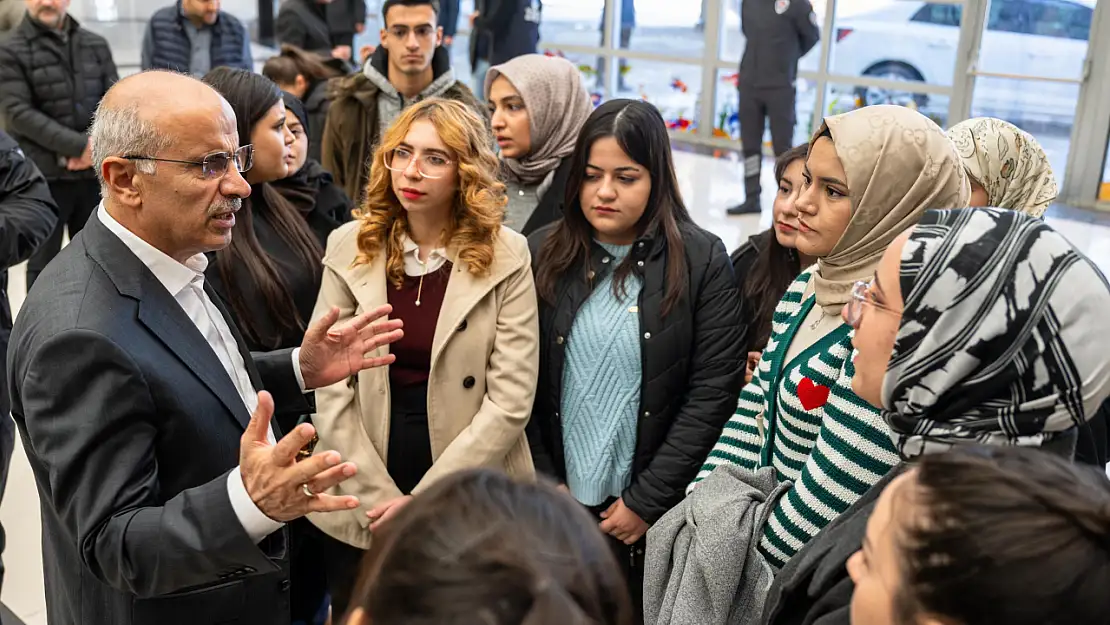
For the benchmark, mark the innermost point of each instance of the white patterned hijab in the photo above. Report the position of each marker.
(1007, 162)
(899, 164)
(1003, 334)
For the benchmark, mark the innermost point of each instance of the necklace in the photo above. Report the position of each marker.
(420, 285)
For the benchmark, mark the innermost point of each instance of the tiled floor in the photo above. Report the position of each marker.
(709, 186)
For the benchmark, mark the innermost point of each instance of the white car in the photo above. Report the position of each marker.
(917, 41)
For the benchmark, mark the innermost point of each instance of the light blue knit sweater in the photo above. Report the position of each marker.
(601, 389)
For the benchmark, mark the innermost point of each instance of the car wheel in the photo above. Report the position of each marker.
(892, 71)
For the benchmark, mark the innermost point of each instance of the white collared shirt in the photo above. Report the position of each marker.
(185, 282)
(416, 267)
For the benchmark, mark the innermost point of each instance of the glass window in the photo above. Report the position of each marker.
(576, 22)
(1039, 39)
(674, 88)
(726, 120)
(841, 98)
(661, 27)
(1048, 115)
(939, 14)
(905, 41)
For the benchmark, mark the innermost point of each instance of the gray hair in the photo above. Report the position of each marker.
(124, 132)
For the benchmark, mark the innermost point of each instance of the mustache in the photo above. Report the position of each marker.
(225, 206)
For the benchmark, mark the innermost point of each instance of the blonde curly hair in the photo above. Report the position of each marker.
(479, 202)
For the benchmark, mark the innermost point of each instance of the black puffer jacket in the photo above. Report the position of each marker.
(692, 360)
(49, 90)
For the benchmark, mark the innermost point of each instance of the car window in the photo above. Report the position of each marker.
(939, 14)
(1058, 18)
(1010, 16)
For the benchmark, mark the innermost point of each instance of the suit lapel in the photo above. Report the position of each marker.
(162, 315)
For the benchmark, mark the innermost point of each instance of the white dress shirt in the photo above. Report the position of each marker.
(185, 282)
(414, 266)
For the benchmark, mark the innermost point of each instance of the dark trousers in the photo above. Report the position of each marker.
(76, 200)
(630, 559)
(755, 108)
(408, 458)
(308, 582)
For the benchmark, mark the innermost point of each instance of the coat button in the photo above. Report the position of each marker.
(605, 260)
(647, 414)
(560, 340)
(640, 263)
(647, 335)
(462, 326)
(284, 585)
(591, 274)
(468, 382)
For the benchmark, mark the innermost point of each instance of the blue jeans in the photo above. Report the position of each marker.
(479, 77)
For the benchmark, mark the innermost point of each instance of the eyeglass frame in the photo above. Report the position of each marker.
(203, 163)
(854, 309)
(419, 170)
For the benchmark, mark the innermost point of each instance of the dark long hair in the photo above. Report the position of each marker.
(481, 547)
(293, 61)
(640, 131)
(1004, 535)
(251, 96)
(774, 268)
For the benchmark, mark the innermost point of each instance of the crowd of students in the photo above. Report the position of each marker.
(880, 411)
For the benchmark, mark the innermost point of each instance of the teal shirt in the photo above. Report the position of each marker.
(601, 388)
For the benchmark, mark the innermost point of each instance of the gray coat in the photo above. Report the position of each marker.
(702, 564)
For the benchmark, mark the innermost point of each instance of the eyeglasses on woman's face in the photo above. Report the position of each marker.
(214, 165)
(861, 294)
(431, 165)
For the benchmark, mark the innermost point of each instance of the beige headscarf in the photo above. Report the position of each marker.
(557, 104)
(1007, 162)
(899, 164)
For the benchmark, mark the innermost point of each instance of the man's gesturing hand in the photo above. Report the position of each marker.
(274, 479)
(331, 352)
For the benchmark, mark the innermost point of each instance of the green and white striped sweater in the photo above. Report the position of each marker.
(830, 443)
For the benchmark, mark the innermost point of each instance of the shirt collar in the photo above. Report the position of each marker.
(172, 274)
(413, 265)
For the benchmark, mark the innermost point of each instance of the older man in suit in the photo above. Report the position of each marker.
(163, 487)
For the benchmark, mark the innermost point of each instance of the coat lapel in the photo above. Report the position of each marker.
(465, 290)
(162, 315)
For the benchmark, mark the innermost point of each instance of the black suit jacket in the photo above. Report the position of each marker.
(132, 425)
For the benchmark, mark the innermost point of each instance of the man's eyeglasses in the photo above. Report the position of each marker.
(422, 32)
(861, 294)
(430, 166)
(213, 165)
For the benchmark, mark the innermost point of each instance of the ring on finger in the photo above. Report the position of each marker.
(307, 491)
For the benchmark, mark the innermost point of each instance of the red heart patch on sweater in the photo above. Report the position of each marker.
(812, 395)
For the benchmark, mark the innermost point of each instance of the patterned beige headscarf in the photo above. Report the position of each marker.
(899, 164)
(1007, 162)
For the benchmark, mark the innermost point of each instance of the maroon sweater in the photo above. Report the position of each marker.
(414, 350)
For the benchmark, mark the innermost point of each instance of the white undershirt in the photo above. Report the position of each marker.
(185, 282)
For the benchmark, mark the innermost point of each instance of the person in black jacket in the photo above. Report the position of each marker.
(512, 27)
(346, 18)
(193, 36)
(641, 347)
(53, 74)
(306, 76)
(304, 23)
(779, 33)
(308, 187)
(768, 262)
(27, 217)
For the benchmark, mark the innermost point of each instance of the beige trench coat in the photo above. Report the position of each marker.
(480, 426)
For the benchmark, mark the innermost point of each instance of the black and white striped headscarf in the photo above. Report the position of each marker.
(1005, 335)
